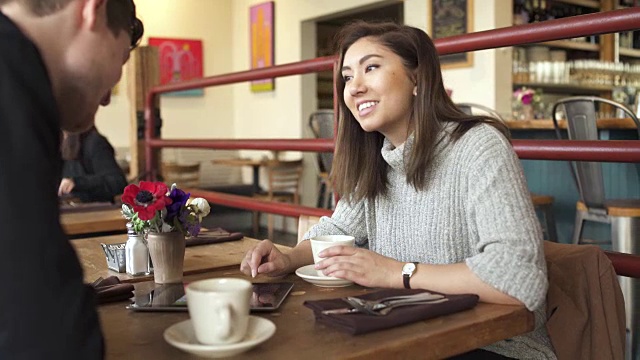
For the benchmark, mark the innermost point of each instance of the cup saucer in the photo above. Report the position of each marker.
(309, 274)
(182, 336)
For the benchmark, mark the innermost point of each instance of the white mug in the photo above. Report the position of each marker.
(219, 309)
(320, 243)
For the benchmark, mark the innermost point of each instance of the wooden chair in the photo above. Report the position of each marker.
(305, 222)
(283, 185)
(542, 203)
(182, 175)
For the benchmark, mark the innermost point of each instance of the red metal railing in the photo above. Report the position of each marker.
(625, 264)
(610, 151)
(598, 23)
(257, 205)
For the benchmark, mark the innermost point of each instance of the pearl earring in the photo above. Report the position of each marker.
(415, 91)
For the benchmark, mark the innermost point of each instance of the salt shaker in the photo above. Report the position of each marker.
(136, 253)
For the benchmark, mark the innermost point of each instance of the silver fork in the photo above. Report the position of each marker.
(384, 302)
(385, 308)
(388, 309)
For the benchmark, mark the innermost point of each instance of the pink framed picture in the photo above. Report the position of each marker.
(262, 42)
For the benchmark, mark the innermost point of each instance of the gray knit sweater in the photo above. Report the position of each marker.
(476, 209)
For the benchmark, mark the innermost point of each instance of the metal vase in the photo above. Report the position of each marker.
(167, 254)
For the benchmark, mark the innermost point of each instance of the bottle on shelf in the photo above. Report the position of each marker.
(520, 13)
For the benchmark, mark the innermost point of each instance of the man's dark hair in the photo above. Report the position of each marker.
(121, 15)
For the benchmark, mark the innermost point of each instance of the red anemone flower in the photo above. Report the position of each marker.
(146, 199)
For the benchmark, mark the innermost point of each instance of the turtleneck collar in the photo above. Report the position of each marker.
(396, 156)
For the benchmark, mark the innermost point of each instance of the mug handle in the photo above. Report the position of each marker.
(224, 323)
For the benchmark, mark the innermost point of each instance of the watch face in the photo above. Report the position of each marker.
(409, 268)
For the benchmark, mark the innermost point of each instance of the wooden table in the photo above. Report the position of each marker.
(94, 221)
(197, 259)
(254, 163)
(134, 335)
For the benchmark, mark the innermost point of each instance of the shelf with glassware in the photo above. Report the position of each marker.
(546, 82)
(571, 45)
(629, 52)
(577, 76)
(603, 65)
(594, 4)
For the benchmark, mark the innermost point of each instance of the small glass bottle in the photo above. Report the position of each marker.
(136, 253)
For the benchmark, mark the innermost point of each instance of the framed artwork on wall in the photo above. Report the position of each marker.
(261, 17)
(180, 60)
(449, 18)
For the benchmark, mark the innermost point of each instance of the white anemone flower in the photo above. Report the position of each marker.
(202, 207)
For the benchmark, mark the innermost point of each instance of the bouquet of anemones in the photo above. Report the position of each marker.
(151, 207)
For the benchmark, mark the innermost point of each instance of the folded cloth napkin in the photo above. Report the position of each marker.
(212, 236)
(111, 290)
(358, 323)
(73, 207)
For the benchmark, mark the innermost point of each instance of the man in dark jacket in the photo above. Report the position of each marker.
(58, 59)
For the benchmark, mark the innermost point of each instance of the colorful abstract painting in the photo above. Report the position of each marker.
(180, 60)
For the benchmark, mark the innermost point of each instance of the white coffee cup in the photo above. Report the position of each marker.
(320, 243)
(219, 309)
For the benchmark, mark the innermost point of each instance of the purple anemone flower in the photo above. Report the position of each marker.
(179, 198)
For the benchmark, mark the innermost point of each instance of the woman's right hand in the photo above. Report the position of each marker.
(266, 259)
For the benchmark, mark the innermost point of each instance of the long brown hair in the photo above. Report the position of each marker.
(358, 169)
(71, 144)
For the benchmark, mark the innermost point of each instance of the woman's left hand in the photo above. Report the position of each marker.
(361, 266)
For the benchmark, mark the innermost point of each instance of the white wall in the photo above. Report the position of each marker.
(185, 117)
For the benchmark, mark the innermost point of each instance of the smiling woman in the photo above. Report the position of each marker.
(420, 183)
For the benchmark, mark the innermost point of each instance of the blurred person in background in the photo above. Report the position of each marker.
(90, 172)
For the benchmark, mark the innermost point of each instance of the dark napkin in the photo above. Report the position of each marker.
(362, 323)
(212, 236)
(111, 290)
(74, 207)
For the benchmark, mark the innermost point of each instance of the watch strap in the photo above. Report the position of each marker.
(406, 277)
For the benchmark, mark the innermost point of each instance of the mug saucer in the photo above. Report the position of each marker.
(183, 336)
(308, 273)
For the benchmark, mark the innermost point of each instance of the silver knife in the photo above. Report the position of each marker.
(340, 311)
